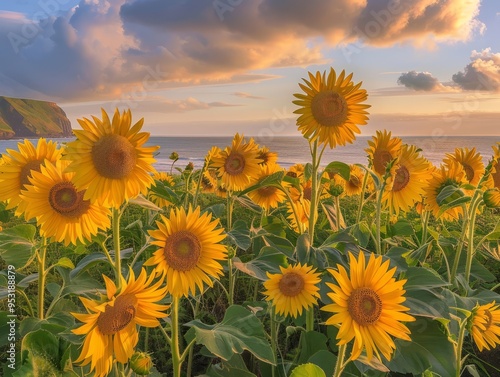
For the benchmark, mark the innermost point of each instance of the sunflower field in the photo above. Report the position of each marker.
(244, 268)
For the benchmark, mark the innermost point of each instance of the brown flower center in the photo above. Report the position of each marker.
(117, 317)
(380, 160)
(401, 179)
(364, 306)
(267, 191)
(329, 108)
(307, 193)
(264, 156)
(291, 284)
(291, 174)
(354, 181)
(114, 156)
(26, 171)
(469, 172)
(496, 174)
(182, 250)
(235, 163)
(65, 200)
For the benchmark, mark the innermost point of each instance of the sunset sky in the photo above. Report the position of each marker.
(191, 67)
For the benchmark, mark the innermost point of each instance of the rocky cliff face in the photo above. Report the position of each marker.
(31, 118)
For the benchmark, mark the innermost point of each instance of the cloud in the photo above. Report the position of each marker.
(246, 95)
(483, 73)
(419, 81)
(101, 50)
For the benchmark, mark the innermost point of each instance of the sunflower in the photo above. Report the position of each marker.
(209, 181)
(354, 185)
(110, 325)
(407, 181)
(166, 180)
(292, 290)
(491, 198)
(220, 191)
(383, 149)
(484, 325)
(303, 209)
(267, 157)
(109, 159)
(212, 153)
(268, 196)
(189, 250)
(18, 167)
(471, 161)
(238, 166)
(60, 209)
(331, 108)
(448, 175)
(367, 306)
(494, 179)
(296, 171)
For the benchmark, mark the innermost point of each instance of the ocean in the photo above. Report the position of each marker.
(294, 149)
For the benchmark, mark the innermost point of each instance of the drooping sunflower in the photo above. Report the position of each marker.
(484, 325)
(331, 108)
(367, 306)
(269, 196)
(451, 174)
(209, 181)
(110, 160)
(59, 208)
(407, 180)
(354, 185)
(383, 148)
(238, 166)
(189, 251)
(167, 181)
(471, 161)
(110, 325)
(267, 157)
(491, 198)
(293, 290)
(18, 167)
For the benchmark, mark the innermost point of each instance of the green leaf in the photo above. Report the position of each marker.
(325, 360)
(448, 194)
(429, 349)
(144, 203)
(375, 177)
(331, 214)
(17, 245)
(401, 228)
(340, 168)
(303, 248)
(269, 260)
(240, 235)
(310, 343)
(454, 203)
(234, 367)
(271, 180)
(246, 202)
(308, 370)
(65, 262)
(217, 210)
(239, 330)
(308, 169)
(91, 259)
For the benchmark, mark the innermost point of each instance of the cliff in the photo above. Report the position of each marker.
(21, 118)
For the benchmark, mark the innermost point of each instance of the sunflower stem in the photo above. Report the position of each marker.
(378, 215)
(274, 334)
(461, 242)
(425, 223)
(42, 254)
(313, 210)
(470, 242)
(230, 203)
(459, 345)
(340, 365)
(310, 319)
(198, 185)
(191, 349)
(294, 210)
(176, 357)
(362, 198)
(116, 246)
(146, 340)
(337, 212)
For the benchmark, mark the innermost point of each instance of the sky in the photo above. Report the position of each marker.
(217, 67)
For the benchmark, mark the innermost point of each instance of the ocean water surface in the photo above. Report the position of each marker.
(294, 149)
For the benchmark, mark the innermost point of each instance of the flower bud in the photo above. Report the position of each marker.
(141, 363)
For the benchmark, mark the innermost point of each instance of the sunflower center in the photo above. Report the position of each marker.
(114, 156)
(291, 174)
(354, 181)
(117, 317)
(489, 319)
(182, 250)
(329, 108)
(364, 306)
(26, 171)
(264, 156)
(469, 171)
(308, 193)
(496, 175)
(205, 181)
(291, 284)
(65, 200)
(235, 163)
(267, 191)
(380, 160)
(401, 179)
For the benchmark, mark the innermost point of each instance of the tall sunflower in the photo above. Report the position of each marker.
(269, 196)
(18, 167)
(110, 325)
(189, 251)
(293, 290)
(238, 166)
(110, 160)
(448, 175)
(383, 148)
(471, 161)
(331, 108)
(60, 209)
(484, 325)
(367, 306)
(167, 181)
(407, 181)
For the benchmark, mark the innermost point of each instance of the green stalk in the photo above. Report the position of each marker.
(176, 357)
(378, 215)
(425, 224)
(116, 246)
(191, 350)
(146, 340)
(470, 244)
(458, 349)
(42, 256)
(337, 211)
(313, 210)
(198, 185)
(274, 334)
(454, 268)
(230, 202)
(362, 198)
(340, 365)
